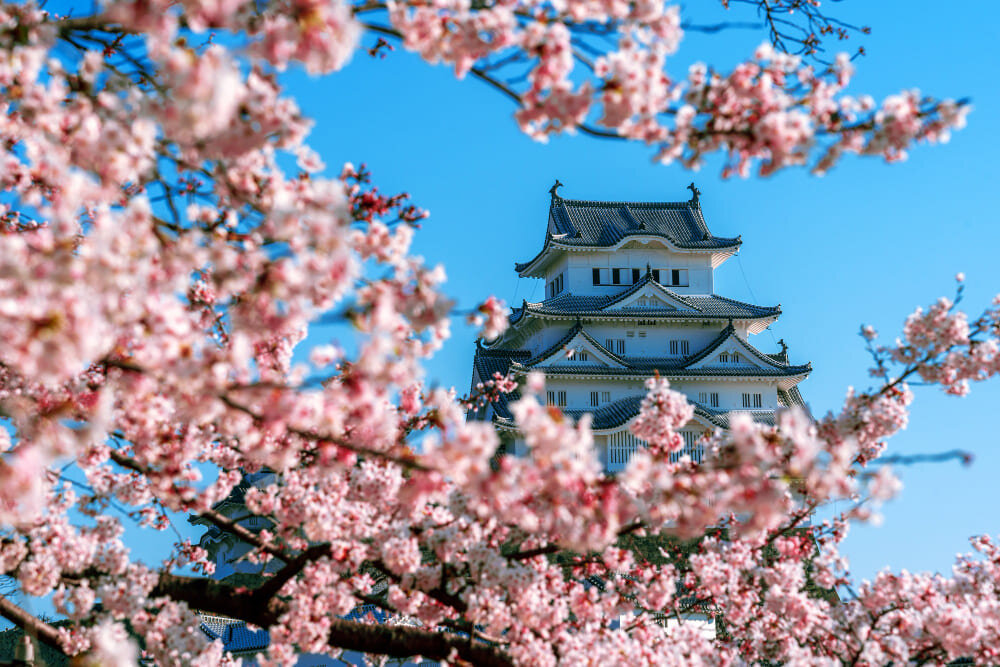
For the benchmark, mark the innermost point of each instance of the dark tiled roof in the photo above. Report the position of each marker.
(645, 366)
(769, 360)
(791, 397)
(235, 634)
(577, 222)
(709, 306)
(487, 362)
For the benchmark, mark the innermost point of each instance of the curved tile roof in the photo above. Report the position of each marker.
(487, 362)
(646, 366)
(711, 306)
(578, 222)
(235, 634)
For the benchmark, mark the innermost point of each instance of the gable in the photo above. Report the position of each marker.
(652, 296)
(730, 353)
(579, 350)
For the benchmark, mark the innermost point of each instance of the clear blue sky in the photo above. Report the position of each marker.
(865, 244)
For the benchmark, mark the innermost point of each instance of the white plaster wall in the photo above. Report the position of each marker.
(578, 268)
(730, 393)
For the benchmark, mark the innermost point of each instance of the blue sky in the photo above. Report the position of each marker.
(864, 244)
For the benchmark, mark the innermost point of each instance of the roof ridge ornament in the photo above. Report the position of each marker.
(695, 193)
(784, 347)
(554, 190)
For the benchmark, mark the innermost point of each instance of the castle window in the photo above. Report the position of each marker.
(606, 396)
(673, 347)
(714, 399)
(561, 396)
(635, 276)
(620, 345)
(752, 400)
(703, 397)
(550, 398)
(642, 334)
(616, 276)
(724, 358)
(736, 358)
(656, 275)
(679, 277)
(582, 356)
(555, 287)
(630, 334)
(593, 399)
(597, 276)
(685, 347)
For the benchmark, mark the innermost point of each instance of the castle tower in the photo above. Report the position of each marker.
(629, 292)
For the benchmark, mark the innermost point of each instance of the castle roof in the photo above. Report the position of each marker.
(603, 224)
(676, 366)
(487, 362)
(710, 306)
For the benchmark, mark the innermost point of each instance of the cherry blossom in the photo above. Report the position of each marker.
(161, 263)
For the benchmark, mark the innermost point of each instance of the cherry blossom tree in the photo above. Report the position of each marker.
(166, 242)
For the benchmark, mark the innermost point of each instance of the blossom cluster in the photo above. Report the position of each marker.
(160, 265)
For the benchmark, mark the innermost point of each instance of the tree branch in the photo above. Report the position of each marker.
(397, 641)
(34, 627)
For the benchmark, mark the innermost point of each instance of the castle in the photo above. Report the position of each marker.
(629, 293)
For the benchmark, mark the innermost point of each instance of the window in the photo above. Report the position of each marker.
(550, 398)
(679, 277)
(692, 448)
(673, 347)
(724, 358)
(656, 275)
(606, 396)
(736, 358)
(752, 400)
(609, 344)
(685, 347)
(601, 276)
(642, 334)
(562, 398)
(703, 397)
(620, 347)
(582, 356)
(714, 399)
(555, 287)
(630, 334)
(615, 276)
(593, 399)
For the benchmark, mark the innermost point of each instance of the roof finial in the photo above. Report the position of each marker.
(554, 190)
(784, 347)
(649, 271)
(695, 192)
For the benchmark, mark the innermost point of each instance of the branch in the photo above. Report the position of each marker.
(33, 626)
(397, 641)
(403, 461)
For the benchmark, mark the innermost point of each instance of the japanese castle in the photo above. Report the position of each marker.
(630, 292)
